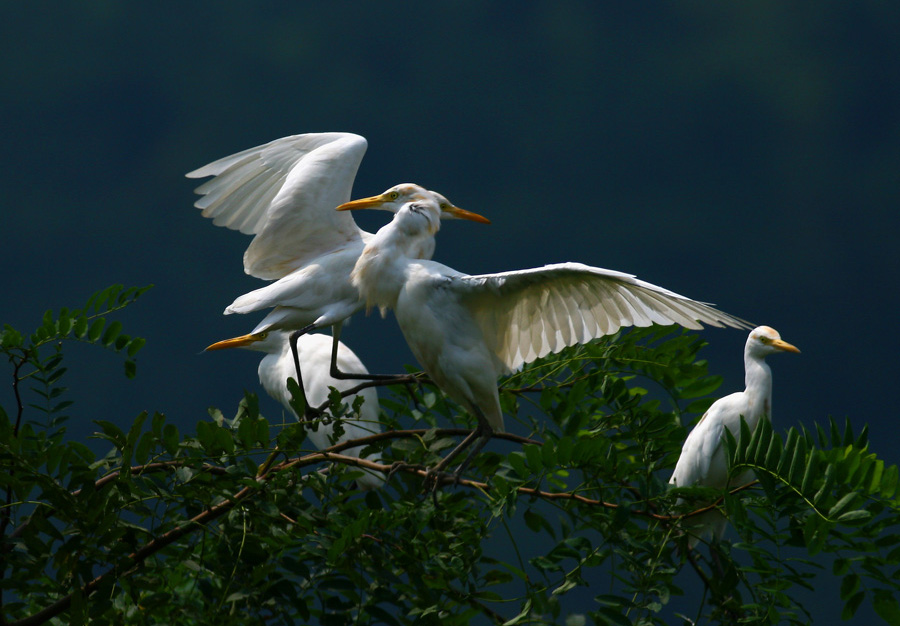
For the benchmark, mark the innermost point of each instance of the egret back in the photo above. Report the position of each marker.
(446, 341)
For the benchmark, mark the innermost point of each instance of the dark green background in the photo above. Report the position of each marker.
(741, 153)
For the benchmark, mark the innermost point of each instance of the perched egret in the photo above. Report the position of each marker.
(467, 330)
(314, 351)
(285, 193)
(702, 460)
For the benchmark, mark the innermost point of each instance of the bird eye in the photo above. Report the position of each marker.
(394, 195)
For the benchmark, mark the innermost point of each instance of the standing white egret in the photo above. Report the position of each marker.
(702, 460)
(314, 351)
(467, 330)
(285, 193)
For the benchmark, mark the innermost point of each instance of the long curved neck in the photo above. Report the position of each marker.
(380, 272)
(758, 380)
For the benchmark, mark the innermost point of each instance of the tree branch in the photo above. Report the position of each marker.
(331, 454)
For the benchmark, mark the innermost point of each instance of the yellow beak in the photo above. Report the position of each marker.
(373, 202)
(785, 346)
(236, 342)
(364, 203)
(455, 211)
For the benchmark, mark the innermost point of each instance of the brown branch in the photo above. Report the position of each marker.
(112, 476)
(418, 432)
(138, 557)
(331, 454)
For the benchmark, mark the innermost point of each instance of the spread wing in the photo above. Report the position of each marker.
(285, 192)
(528, 314)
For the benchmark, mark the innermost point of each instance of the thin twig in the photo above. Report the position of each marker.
(331, 454)
(6, 514)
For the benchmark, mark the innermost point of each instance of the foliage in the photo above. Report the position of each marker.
(162, 526)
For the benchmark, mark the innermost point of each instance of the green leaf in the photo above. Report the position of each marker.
(184, 474)
(64, 325)
(516, 460)
(522, 616)
(171, 438)
(840, 566)
(852, 604)
(564, 447)
(548, 455)
(135, 345)
(96, 329)
(534, 521)
(702, 387)
(886, 606)
(112, 432)
(533, 457)
(854, 516)
(142, 450)
(827, 485)
(889, 481)
(842, 504)
(809, 474)
(112, 331)
(849, 586)
(262, 432)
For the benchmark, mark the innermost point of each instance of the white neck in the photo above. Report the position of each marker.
(758, 380)
(380, 272)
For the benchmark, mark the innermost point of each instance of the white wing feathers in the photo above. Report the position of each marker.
(285, 192)
(700, 452)
(528, 314)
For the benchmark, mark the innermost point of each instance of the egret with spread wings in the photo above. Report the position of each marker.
(467, 330)
(284, 193)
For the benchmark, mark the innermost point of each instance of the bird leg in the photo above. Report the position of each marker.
(309, 412)
(477, 439)
(338, 374)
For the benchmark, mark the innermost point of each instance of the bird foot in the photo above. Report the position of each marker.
(435, 479)
(411, 387)
(396, 466)
(312, 413)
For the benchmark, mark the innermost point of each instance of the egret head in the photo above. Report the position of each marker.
(269, 342)
(418, 216)
(398, 195)
(764, 340)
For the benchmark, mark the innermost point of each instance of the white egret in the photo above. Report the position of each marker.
(285, 192)
(467, 330)
(702, 460)
(314, 351)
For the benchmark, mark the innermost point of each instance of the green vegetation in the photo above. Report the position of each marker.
(164, 526)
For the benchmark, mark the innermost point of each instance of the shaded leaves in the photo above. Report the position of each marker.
(584, 509)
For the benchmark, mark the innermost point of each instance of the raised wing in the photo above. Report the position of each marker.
(528, 314)
(285, 193)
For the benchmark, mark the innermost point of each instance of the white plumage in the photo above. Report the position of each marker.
(702, 460)
(467, 330)
(285, 192)
(314, 352)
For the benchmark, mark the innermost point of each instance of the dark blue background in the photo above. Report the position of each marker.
(743, 153)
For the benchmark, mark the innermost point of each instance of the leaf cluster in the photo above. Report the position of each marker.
(568, 520)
